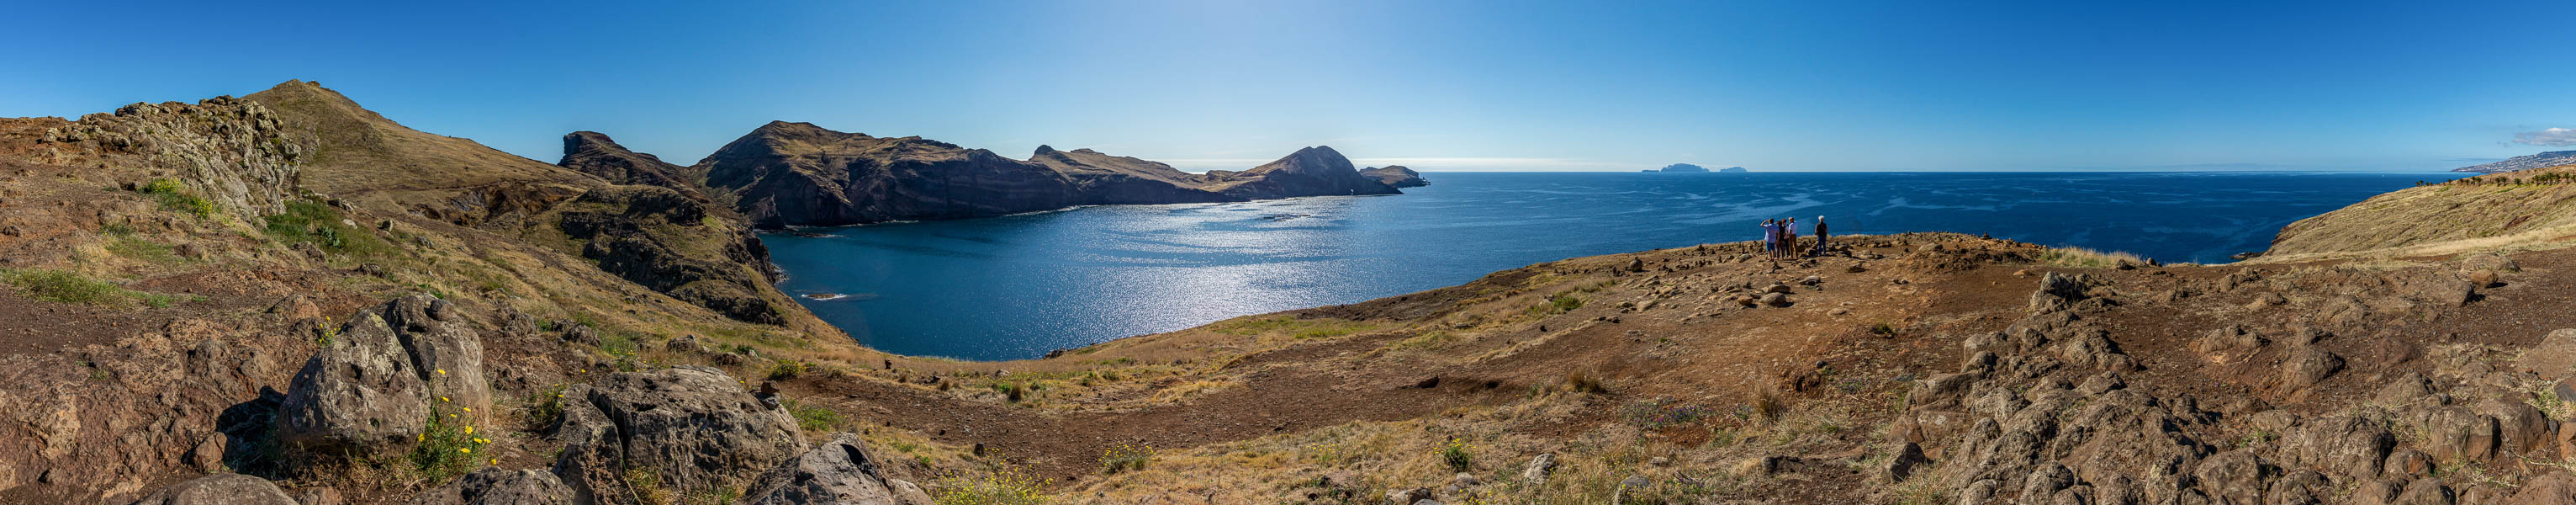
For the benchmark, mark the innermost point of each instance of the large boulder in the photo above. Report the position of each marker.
(495, 486)
(841, 471)
(694, 427)
(374, 382)
(219, 489)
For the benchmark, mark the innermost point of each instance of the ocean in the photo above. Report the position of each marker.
(1016, 287)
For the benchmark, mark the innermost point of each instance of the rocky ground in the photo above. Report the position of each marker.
(210, 303)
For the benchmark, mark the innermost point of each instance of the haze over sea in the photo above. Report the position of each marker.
(1019, 286)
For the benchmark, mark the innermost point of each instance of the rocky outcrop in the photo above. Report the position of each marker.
(373, 383)
(1313, 171)
(694, 427)
(219, 489)
(495, 486)
(1395, 175)
(1681, 168)
(673, 243)
(233, 152)
(595, 154)
(841, 471)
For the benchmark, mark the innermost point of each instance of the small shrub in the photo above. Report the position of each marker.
(784, 369)
(1125, 457)
(1585, 383)
(545, 405)
(1768, 405)
(1456, 453)
(647, 485)
(2077, 257)
(1010, 390)
(1882, 329)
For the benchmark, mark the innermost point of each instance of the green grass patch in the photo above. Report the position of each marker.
(71, 287)
(814, 418)
(1297, 327)
(1005, 486)
(176, 196)
(144, 250)
(307, 221)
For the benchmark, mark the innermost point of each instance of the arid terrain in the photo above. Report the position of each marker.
(285, 298)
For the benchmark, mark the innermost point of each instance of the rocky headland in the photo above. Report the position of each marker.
(283, 298)
(1395, 175)
(797, 174)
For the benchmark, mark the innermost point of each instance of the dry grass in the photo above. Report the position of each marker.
(2078, 257)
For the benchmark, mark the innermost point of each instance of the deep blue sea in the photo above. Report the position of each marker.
(1018, 286)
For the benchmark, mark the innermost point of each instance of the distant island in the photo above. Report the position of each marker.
(2547, 159)
(1690, 168)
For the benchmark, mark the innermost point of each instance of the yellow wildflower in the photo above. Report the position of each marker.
(467, 450)
(442, 371)
(469, 430)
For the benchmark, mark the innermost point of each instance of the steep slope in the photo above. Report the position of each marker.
(2542, 160)
(1395, 175)
(358, 155)
(1101, 179)
(1312, 171)
(2495, 210)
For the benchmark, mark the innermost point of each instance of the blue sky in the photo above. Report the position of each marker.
(1434, 85)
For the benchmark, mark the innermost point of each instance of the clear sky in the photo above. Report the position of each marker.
(1787, 85)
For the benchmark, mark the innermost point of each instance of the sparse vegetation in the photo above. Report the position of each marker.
(1585, 383)
(1003, 486)
(448, 447)
(1457, 454)
(62, 286)
(1125, 457)
(2078, 257)
(783, 369)
(1662, 412)
(307, 221)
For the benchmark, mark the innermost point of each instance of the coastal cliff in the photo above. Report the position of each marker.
(2495, 210)
(797, 174)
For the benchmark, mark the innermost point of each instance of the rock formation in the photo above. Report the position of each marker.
(1102, 179)
(1395, 175)
(693, 426)
(841, 471)
(1681, 167)
(1312, 171)
(595, 154)
(374, 382)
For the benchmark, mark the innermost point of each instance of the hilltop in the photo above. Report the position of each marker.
(286, 297)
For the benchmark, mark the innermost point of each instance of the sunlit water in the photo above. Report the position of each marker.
(1018, 286)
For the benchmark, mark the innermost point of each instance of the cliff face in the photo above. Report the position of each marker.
(1396, 176)
(1313, 171)
(595, 154)
(797, 174)
(2484, 211)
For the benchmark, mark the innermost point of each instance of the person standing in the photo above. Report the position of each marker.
(1820, 236)
(1789, 238)
(1771, 237)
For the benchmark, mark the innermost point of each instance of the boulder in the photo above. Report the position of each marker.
(841, 471)
(2522, 429)
(495, 486)
(373, 384)
(1536, 471)
(693, 426)
(2554, 358)
(219, 489)
(2558, 487)
(2233, 477)
(2308, 367)
(1907, 460)
(2347, 446)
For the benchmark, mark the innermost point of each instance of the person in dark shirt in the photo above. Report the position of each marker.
(1820, 236)
(1789, 238)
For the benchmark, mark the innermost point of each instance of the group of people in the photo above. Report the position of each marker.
(1780, 238)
